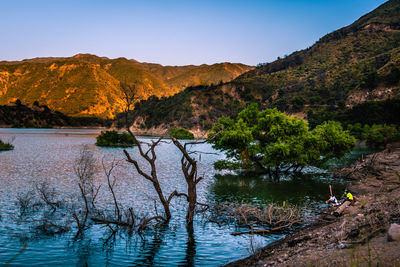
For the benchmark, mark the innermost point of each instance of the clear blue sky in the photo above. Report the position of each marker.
(171, 32)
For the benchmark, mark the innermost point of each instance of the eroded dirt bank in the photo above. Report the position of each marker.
(359, 236)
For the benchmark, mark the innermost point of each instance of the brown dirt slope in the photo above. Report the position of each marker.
(359, 237)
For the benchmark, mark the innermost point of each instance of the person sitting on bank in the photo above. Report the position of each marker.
(332, 199)
(348, 196)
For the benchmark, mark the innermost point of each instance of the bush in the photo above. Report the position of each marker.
(377, 135)
(180, 133)
(5, 146)
(380, 135)
(358, 131)
(114, 139)
(298, 103)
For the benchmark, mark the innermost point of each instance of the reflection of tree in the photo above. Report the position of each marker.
(190, 246)
(150, 250)
(247, 187)
(82, 247)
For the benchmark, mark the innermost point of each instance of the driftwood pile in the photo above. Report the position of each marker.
(270, 219)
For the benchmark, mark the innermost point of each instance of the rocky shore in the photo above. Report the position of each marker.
(162, 131)
(361, 236)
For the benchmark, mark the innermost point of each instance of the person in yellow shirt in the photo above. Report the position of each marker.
(348, 196)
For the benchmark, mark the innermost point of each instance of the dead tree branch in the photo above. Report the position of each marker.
(111, 184)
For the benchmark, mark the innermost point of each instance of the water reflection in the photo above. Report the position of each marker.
(49, 155)
(190, 246)
(304, 190)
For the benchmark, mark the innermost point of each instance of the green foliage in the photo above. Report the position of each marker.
(5, 146)
(227, 165)
(370, 112)
(114, 139)
(334, 141)
(298, 103)
(180, 133)
(358, 131)
(158, 111)
(269, 139)
(378, 135)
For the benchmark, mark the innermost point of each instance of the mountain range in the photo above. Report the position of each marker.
(352, 65)
(357, 63)
(88, 85)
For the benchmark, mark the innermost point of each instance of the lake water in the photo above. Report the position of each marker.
(49, 155)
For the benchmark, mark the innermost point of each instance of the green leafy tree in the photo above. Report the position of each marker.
(333, 141)
(379, 135)
(270, 141)
(357, 130)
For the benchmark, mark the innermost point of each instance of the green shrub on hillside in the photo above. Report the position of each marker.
(114, 139)
(298, 103)
(180, 133)
(380, 135)
(370, 112)
(358, 131)
(377, 135)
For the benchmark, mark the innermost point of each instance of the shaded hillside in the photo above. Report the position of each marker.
(87, 85)
(36, 116)
(360, 62)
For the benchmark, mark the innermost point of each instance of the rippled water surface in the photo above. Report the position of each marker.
(49, 155)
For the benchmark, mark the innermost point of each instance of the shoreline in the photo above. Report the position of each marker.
(359, 236)
(60, 127)
(153, 132)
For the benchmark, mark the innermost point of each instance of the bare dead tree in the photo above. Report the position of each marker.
(47, 194)
(111, 183)
(189, 169)
(129, 96)
(150, 156)
(85, 169)
(188, 164)
(25, 200)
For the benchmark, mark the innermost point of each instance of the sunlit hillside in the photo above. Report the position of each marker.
(87, 85)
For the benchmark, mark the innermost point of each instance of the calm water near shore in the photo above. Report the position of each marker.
(49, 154)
